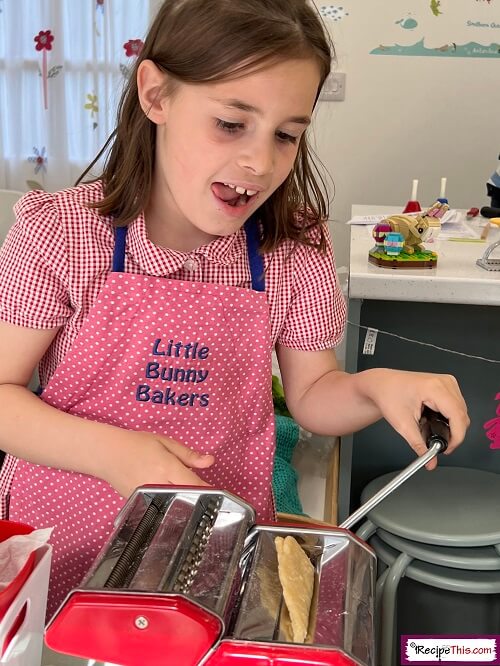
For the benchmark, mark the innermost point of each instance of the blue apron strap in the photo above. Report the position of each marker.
(119, 251)
(255, 259)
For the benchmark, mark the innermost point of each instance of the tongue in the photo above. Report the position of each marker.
(225, 193)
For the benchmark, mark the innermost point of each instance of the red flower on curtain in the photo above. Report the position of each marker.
(133, 47)
(44, 40)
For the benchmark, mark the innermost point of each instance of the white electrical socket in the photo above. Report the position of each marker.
(333, 88)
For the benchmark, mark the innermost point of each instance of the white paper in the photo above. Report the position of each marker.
(368, 219)
(454, 225)
(452, 216)
(373, 219)
(15, 551)
(460, 231)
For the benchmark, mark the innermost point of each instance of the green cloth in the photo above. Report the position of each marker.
(285, 491)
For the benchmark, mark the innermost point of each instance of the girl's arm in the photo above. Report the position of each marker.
(32, 430)
(325, 400)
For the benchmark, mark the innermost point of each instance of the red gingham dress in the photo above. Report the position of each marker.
(54, 265)
(58, 254)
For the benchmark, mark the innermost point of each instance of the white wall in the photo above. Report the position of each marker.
(408, 117)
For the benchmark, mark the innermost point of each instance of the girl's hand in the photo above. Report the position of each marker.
(148, 458)
(400, 397)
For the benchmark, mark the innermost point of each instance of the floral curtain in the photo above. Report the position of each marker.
(63, 64)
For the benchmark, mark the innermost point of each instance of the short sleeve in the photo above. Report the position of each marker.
(34, 266)
(317, 313)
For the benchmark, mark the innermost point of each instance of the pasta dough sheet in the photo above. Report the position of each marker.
(296, 574)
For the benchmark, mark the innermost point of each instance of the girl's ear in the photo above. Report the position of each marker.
(150, 84)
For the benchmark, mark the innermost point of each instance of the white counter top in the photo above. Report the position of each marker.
(456, 278)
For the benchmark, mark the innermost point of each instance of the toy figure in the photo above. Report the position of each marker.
(399, 239)
(415, 229)
(438, 209)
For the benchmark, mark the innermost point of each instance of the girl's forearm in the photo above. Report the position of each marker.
(33, 430)
(339, 403)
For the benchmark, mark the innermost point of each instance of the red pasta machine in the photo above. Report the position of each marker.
(187, 578)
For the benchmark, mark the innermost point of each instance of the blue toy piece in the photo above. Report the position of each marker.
(393, 243)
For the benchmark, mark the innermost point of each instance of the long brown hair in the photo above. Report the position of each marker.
(197, 41)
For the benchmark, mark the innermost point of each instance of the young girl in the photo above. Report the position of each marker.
(153, 297)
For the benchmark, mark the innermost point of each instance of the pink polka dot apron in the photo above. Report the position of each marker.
(190, 360)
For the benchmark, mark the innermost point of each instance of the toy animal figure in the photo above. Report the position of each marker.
(415, 229)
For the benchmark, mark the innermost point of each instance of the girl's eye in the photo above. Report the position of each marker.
(286, 138)
(231, 128)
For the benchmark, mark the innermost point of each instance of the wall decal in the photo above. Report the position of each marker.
(407, 23)
(333, 12)
(465, 29)
(435, 7)
(470, 50)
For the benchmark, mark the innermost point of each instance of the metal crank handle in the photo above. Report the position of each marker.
(436, 432)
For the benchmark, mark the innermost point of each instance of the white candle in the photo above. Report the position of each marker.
(442, 194)
(414, 190)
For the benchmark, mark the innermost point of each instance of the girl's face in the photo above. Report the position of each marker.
(223, 148)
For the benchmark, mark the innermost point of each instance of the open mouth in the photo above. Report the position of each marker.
(233, 195)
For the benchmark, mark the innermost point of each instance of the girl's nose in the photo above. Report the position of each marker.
(257, 157)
